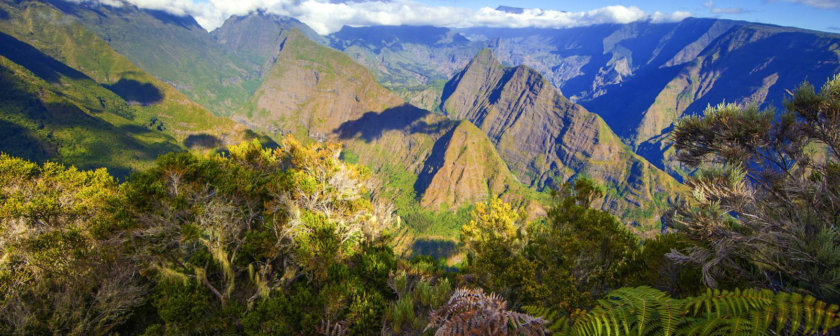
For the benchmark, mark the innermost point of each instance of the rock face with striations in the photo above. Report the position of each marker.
(464, 166)
(320, 93)
(546, 139)
(313, 89)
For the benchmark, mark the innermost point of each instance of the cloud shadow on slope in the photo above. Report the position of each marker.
(43, 66)
(372, 125)
(135, 92)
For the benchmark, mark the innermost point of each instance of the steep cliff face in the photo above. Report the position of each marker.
(464, 165)
(311, 90)
(320, 93)
(750, 64)
(546, 139)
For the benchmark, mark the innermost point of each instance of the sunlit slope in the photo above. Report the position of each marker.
(547, 140)
(315, 92)
(87, 105)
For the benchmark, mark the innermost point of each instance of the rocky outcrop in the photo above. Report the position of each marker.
(319, 93)
(547, 140)
(463, 165)
(312, 90)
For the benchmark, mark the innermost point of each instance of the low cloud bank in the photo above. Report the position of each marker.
(329, 16)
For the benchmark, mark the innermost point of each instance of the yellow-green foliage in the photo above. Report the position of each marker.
(248, 228)
(62, 270)
(493, 221)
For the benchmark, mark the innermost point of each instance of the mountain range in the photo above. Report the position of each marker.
(639, 77)
(442, 117)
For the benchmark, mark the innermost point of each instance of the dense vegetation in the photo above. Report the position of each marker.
(288, 240)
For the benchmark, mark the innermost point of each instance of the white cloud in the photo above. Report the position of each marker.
(728, 10)
(827, 4)
(325, 16)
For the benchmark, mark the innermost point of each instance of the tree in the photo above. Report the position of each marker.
(765, 206)
(576, 255)
(494, 241)
(581, 252)
(285, 237)
(62, 266)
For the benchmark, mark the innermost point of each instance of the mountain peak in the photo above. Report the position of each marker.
(484, 58)
(512, 10)
(544, 138)
(260, 34)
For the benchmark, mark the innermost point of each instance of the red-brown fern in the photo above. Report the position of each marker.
(473, 312)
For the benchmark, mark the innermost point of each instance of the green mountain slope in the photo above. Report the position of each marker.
(58, 121)
(319, 93)
(547, 140)
(84, 104)
(172, 48)
(219, 70)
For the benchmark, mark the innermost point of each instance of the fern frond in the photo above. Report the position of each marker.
(647, 311)
(556, 322)
(632, 311)
(762, 308)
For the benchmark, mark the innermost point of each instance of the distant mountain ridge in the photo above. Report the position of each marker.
(640, 77)
(546, 139)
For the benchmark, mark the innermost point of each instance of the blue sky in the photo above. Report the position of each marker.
(327, 16)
